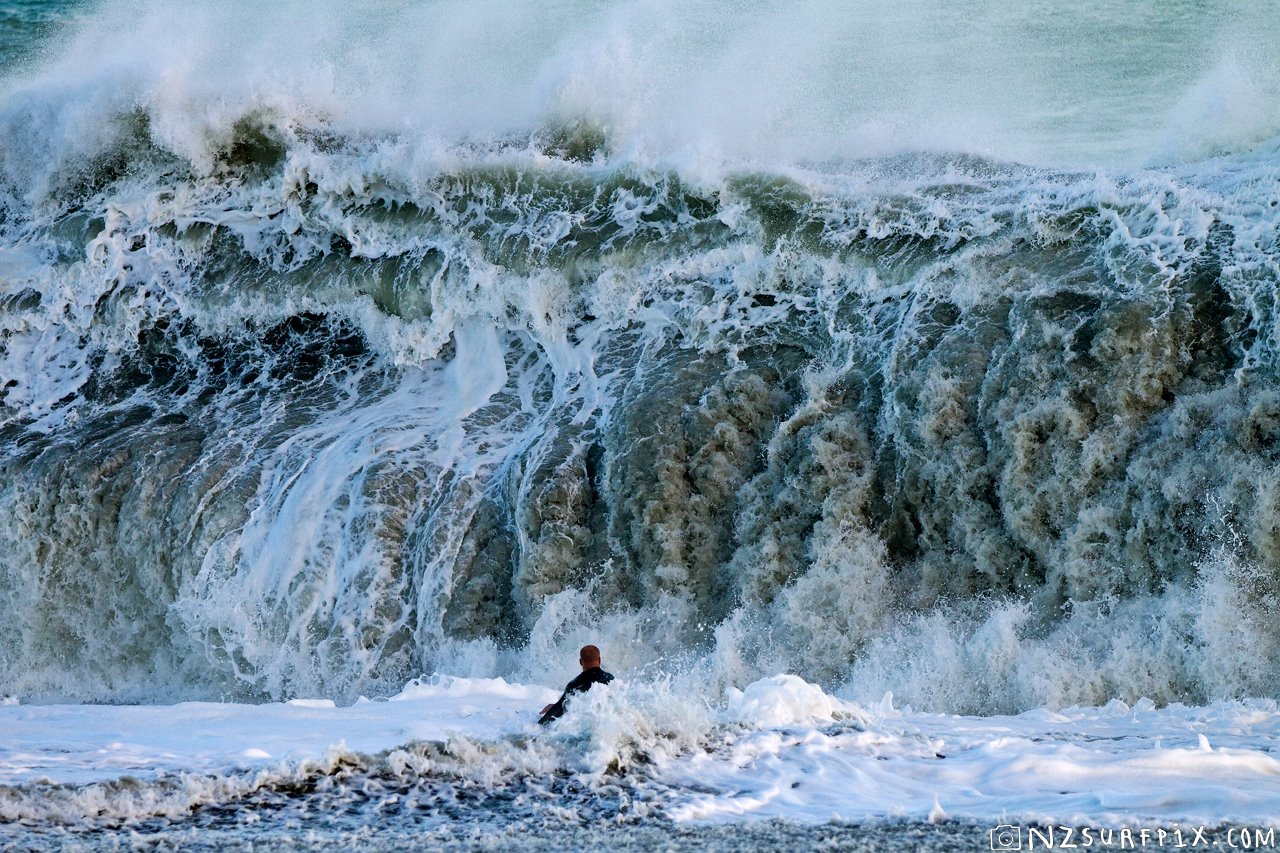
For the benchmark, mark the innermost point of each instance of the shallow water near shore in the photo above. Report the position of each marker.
(947, 837)
(460, 761)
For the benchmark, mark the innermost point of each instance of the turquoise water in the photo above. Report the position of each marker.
(26, 29)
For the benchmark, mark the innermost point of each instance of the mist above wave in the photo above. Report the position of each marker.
(1094, 84)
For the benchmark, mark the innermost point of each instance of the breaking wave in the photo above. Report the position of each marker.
(294, 400)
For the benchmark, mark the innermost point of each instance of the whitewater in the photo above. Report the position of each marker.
(891, 393)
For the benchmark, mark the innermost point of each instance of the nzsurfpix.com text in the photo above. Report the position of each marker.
(1056, 837)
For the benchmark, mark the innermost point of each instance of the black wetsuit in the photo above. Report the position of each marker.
(581, 684)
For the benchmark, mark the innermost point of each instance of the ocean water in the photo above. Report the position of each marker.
(891, 393)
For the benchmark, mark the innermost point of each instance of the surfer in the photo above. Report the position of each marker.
(589, 658)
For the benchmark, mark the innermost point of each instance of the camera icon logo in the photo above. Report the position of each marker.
(1006, 837)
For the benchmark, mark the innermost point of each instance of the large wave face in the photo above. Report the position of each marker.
(337, 350)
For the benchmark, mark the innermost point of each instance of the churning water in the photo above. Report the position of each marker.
(928, 349)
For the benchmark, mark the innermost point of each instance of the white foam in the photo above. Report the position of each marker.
(701, 84)
(791, 751)
(85, 743)
(784, 700)
(1082, 764)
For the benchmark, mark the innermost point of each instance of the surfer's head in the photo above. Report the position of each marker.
(589, 657)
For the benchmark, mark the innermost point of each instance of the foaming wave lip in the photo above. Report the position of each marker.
(679, 83)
